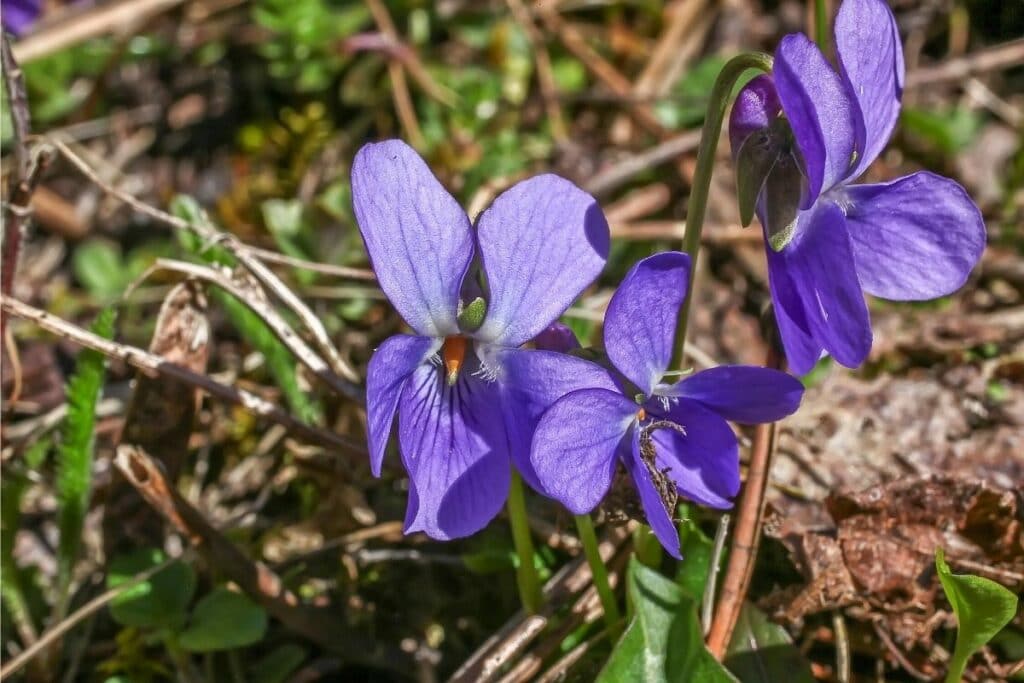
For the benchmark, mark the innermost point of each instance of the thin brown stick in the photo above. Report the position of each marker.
(747, 535)
(623, 171)
(19, 190)
(600, 67)
(396, 72)
(73, 619)
(80, 26)
(255, 299)
(238, 249)
(545, 74)
(993, 58)
(156, 365)
(322, 626)
(517, 634)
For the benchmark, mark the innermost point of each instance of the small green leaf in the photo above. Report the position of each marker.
(224, 620)
(99, 266)
(75, 455)
(663, 643)
(763, 651)
(696, 549)
(283, 217)
(982, 608)
(277, 665)
(158, 602)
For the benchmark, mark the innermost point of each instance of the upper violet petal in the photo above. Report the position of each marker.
(531, 381)
(419, 239)
(542, 242)
(820, 113)
(704, 462)
(575, 445)
(658, 515)
(871, 63)
(389, 369)
(455, 448)
(820, 263)
(914, 238)
(743, 393)
(640, 323)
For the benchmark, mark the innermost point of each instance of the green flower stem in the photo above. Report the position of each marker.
(720, 95)
(588, 538)
(526, 573)
(821, 24)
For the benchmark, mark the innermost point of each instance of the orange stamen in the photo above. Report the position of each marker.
(641, 415)
(453, 351)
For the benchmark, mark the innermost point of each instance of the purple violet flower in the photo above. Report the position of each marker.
(672, 438)
(800, 137)
(467, 398)
(19, 15)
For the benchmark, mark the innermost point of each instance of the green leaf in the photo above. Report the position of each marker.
(98, 265)
(277, 665)
(696, 549)
(224, 620)
(982, 608)
(75, 455)
(663, 643)
(158, 602)
(763, 651)
(950, 131)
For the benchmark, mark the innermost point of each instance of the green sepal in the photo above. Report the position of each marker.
(472, 315)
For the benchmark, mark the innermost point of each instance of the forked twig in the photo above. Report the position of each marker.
(154, 365)
(262, 584)
(245, 255)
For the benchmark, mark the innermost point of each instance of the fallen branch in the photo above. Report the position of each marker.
(262, 584)
(73, 619)
(156, 365)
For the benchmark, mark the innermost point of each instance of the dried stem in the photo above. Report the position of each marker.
(156, 365)
(57, 632)
(19, 189)
(246, 255)
(321, 626)
(747, 535)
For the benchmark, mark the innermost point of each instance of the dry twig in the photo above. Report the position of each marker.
(321, 626)
(156, 365)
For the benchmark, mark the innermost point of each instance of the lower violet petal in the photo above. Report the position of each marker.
(659, 512)
(389, 370)
(820, 263)
(455, 448)
(531, 381)
(802, 350)
(743, 393)
(702, 458)
(914, 238)
(575, 445)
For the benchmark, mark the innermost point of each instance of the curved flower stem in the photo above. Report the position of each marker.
(588, 538)
(821, 24)
(720, 96)
(526, 573)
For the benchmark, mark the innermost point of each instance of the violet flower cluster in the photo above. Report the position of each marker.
(800, 137)
(469, 399)
(473, 401)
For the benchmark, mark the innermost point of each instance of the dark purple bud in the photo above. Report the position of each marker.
(556, 337)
